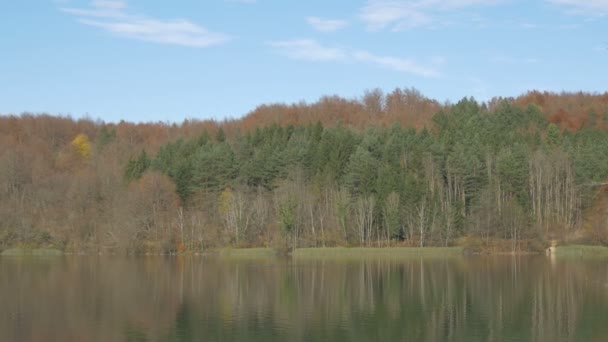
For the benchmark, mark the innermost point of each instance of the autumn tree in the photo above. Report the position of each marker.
(82, 146)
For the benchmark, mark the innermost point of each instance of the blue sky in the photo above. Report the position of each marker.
(159, 60)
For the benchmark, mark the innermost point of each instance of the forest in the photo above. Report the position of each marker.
(394, 169)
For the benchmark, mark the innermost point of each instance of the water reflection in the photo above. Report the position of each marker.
(207, 299)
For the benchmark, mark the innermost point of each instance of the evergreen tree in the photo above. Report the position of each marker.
(136, 166)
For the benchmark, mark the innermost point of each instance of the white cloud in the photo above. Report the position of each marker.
(326, 25)
(313, 51)
(396, 64)
(308, 49)
(178, 32)
(111, 16)
(109, 4)
(585, 7)
(380, 14)
(403, 14)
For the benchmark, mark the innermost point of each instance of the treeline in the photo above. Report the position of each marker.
(472, 173)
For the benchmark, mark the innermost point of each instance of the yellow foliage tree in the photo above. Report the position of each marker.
(82, 145)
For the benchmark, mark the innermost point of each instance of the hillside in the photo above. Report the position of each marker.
(383, 169)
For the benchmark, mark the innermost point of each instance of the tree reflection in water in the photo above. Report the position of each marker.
(204, 298)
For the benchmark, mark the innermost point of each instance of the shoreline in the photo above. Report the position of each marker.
(330, 253)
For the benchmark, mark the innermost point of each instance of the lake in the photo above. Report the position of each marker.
(507, 298)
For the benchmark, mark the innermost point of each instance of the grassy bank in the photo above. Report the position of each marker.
(342, 252)
(246, 253)
(31, 252)
(368, 252)
(581, 251)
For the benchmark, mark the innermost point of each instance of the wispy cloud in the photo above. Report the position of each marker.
(404, 14)
(112, 16)
(326, 25)
(100, 9)
(583, 7)
(110, 4)
(308, 50)
(396, 64)
(379, 15)
(311, 50)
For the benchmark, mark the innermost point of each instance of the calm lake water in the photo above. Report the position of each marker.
(210, 299)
